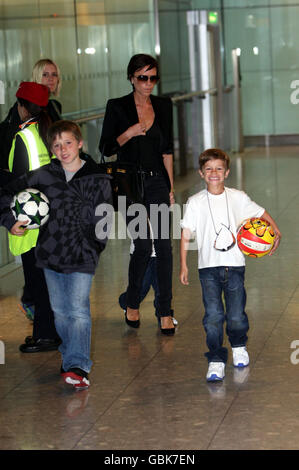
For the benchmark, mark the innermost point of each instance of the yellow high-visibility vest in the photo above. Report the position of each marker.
(38, 156)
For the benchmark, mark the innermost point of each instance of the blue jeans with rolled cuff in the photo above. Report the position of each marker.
(215, 282)
(69, 297)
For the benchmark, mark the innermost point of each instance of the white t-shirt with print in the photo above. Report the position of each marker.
(197, 218)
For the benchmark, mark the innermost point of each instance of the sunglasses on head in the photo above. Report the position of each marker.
(145, 78)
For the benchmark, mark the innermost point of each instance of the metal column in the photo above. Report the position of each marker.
(239, 139)
(205, 74)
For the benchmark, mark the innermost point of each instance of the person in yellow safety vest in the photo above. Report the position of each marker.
(34, 155)
(46, 72)
(28, 152)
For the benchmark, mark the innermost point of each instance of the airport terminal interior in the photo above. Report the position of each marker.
(149, 391)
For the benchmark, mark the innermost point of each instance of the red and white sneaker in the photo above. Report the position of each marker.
(76, 377)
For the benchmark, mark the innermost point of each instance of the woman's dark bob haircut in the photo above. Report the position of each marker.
(138, 61)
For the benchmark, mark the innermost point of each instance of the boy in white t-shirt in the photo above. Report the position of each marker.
(214, 215)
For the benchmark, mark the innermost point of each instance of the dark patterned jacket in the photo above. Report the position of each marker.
(68, 241)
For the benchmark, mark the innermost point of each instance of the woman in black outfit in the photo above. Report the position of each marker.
(138, 127)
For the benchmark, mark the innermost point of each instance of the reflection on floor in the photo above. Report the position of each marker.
(149, 391)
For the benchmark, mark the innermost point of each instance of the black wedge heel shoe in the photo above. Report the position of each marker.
(132, 323)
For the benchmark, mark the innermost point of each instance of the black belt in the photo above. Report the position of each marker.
(151, 173)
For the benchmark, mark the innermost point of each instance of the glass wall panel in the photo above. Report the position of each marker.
(266, 31)
(58, 42)
(174, 46)
(109, 33)
(285, 112)
(286, 67)
(248, 30)
(91, 41)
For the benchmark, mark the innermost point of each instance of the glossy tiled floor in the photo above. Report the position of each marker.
(149, 391)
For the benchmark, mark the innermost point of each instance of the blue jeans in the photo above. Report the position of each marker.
(214, 282)
(69, 297)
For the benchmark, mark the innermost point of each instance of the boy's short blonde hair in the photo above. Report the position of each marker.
(213, 154)
(38, 69)
(58, 127)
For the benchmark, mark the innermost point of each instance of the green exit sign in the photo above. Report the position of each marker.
(213, 17)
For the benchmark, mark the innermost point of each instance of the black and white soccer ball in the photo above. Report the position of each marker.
(31, 205)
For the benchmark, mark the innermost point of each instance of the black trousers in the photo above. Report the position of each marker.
(43, 324)
(156, 196)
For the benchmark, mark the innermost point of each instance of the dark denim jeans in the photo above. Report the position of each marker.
(230, 282)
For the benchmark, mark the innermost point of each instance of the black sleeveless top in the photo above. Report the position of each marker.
(150, 149)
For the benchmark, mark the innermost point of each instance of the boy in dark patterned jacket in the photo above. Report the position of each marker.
(70, 243)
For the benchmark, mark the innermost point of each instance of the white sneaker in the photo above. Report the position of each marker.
(215, 371)
(240, 356)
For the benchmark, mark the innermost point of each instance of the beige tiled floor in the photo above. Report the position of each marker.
(149, 391)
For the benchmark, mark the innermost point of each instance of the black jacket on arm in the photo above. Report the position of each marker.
(68, 241)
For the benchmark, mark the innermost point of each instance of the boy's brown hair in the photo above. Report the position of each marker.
(63, 126)
(213, 154)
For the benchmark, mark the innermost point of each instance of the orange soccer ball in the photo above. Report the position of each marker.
(255, 238)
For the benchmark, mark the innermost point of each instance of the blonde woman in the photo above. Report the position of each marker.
(46, 72)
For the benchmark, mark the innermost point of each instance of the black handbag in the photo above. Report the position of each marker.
(127, 180)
